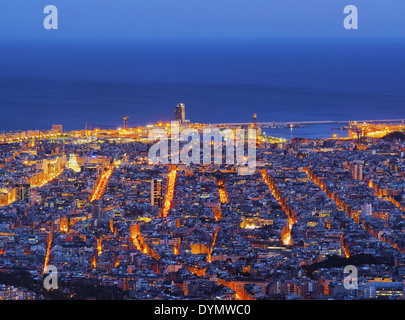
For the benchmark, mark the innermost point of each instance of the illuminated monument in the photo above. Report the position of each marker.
(72, 163)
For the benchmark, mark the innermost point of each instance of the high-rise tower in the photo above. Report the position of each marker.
(156, 193)
(356, 170)
(180, 113)
(24, 193)
(125, 118)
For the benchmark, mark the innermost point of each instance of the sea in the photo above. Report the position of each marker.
(74, 82)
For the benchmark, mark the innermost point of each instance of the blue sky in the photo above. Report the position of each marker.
(134, 19)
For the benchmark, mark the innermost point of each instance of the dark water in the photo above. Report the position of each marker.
(219, 81)
(309, 131)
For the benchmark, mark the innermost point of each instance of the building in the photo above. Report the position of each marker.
(366, 209)
(356, 170)
(8, 292)
(24, 193)
(64, 224)
(58, 128)
(180, 113)
(156, 193)
(72, 163)
(57, 148)
(97, 211)
(384, 289)
(125, 118)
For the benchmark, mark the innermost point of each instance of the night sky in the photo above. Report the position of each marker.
(134, 19)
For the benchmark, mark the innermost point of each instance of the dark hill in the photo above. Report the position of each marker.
(394, 136)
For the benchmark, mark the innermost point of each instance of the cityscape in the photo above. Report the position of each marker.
(91, 206)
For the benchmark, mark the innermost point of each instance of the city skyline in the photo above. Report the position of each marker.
(101, 207)
(202, 157)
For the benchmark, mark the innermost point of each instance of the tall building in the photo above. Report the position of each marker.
(366, 209)
(125, 118)
(24, 193)
(256, 126)
(156, 193)
(356, 170)
(64, 224)
(97, 211)
(180, 113)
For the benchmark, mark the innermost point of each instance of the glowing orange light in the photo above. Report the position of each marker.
(101, 184)
(48, 251)
(346, 250)
(223, 197)
(99, 247)
(209, 256)
(8, 198)
(286, 235)
(139, 241)
(93, 262)
(46, 179)
(169, 193)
